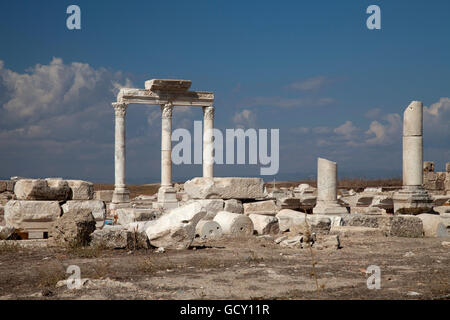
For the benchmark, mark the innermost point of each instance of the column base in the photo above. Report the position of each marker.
(121, 196)
(329, 207)
(412, 200)
(167, 198)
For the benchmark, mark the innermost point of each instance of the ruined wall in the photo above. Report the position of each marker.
(436, 181)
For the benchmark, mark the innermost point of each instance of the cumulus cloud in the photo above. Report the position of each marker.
(309, 84)
(289, 102)
(244, 118)
(387, 133)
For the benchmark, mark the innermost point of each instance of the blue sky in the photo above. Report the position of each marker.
(310, 68)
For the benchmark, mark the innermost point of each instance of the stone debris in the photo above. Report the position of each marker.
(225, 188)
(104, 195)
(295, 221)
(267, 207)
(125, 216)
(81, 190)
(42, 189)
(117, 237)
(234, 224)
(233, 205)
(176, 229)
(446, 244)
(96, 207)
(207, 229)
(433, 226)
(264, 224)
(74, 227)
(6, 232)
(26, 215)
(212, 206)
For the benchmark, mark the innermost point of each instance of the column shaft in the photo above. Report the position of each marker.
(208, 142)
(120, 191)
(166, 145)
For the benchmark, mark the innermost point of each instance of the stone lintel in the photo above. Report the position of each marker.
(168, 85)
(144, 96)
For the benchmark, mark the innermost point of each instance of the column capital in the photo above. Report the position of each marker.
(120, 109)
(208, 113)
(166, 110)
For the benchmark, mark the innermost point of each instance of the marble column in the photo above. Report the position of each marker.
(413, 198)
(166, 145)
(208, 142)
(327, 189)
(121, 194)
(167, 195)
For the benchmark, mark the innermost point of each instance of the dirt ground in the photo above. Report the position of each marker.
(231, 268)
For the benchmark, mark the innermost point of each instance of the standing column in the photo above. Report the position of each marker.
(327, 188)
(412, 198)
(166, 145)
(413, 145)
(121, 194)
(208, 143)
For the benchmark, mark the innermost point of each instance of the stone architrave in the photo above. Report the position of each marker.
(412, 198)
(327, 189)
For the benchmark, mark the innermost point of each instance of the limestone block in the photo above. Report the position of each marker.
(176, 229)
(81, 190)
(447, 167)
(104, 195)
(268, 207)
(433, 226)
(294, 221)
(233, 205)
(208, 229)
(73, 227)
(350, 231)
(363, 220)
(225, 188)
(10, 185)
(125, 216)
(42, 189)
(234, 224)
(97, 208)
(19, 212)
(116, 237)
(367, 210)
(403, 226)
(289, 203)
(264, 224)
(212, 206)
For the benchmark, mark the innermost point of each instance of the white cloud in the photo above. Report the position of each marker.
(309, 84)
(289, 102)
(245, 118)
(384, 134)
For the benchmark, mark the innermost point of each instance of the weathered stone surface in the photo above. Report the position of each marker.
(289, 203)
(116, 237)
(225, 188)
(6, 232)
(433, 226)
(403, 226)
(208, 229)
(294, 221)
(81, 190)
(328, 242)
(349, 231)
(176, 229)
(104, 195)
(447, 167)
(268, 207)
(367, 210)
(18, 212)
(42, 189)
(73, 227)
(3, 185)
(233, 205)
(125, 216)
(428, 166)
(363, 220)
(5, 197)
(234, 224)
(95, 206)
(264, 224)
(212, 206)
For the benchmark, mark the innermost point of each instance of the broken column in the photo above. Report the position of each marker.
(167, 195)
(121, 194)
(327, 188)
(412, 198)
(208, 142)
